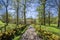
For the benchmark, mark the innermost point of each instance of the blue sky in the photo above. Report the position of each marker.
(31, 11)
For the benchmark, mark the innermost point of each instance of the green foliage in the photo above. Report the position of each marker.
(12, 32)
(46, 32)
(17, 38)
(52, 29)
(4, 17)
(40, 9)
(1, 24)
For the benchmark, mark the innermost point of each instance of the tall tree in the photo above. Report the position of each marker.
(49, 14)
(59, 14)
(57, 2)
(40, 15)
(49, 17)
(43, 3)
(16, 6)
(3, 17)
(17, 12)
(5, 4)
(24, 11)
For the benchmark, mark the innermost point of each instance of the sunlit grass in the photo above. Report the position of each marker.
(51, 29)
(1, 24)
(17, 38)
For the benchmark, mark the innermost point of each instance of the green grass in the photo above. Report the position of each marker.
(1, 24)
(10, 27)
(51, 29)
(17, 38)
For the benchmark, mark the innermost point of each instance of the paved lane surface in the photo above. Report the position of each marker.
(30, 34)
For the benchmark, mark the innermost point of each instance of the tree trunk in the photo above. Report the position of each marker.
(17, 23)
(44, 12)
(49, 18)
(17, 17)
(6, 15)
(25, 12)
(6, 18)
(24, 16)
(59, 17)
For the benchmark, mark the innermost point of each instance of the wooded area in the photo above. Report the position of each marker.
(17, 15)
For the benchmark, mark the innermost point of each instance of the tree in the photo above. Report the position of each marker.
(59, 14)
(49, 17)
(3, 17)
(40, 15)
(57, 2)
(42, 10)
(17, 12)
(5, 4)
(43, 3)
(16, 6)
(24, 11)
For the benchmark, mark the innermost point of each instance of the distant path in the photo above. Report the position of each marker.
(30, 34)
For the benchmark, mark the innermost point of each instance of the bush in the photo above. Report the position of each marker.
(47, 35)
(1, 23)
